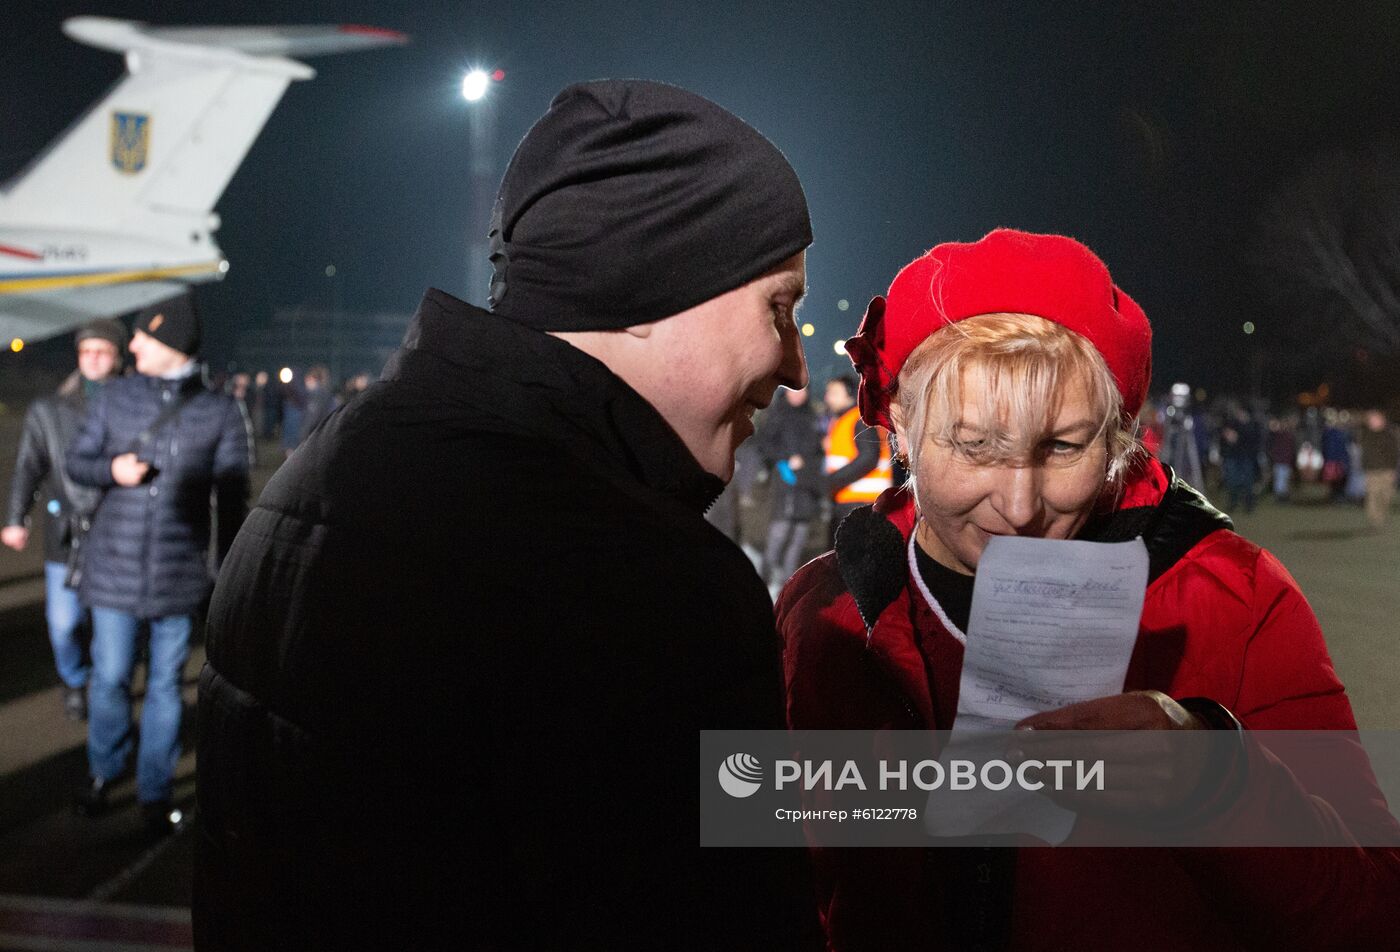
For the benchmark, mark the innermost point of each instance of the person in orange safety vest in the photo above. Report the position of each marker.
(857, 456)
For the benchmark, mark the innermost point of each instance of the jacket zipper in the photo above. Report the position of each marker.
(890, 683)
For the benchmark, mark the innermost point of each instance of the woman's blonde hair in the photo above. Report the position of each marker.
(1027, 363)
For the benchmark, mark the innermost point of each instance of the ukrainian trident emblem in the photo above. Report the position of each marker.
(131, 139)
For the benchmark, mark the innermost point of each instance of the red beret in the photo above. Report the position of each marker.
(1008, 271)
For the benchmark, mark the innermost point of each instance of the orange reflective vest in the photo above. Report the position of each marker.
(841, 450)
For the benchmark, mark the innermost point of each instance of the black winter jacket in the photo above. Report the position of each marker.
(50, 424)
(148, 551)
(459, 659)
(786, 431)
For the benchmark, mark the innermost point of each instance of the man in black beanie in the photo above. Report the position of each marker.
(161, 448)
(462, 650)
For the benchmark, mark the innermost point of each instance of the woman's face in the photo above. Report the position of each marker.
(1047, 494)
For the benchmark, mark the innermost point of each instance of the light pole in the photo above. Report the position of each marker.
(337, 331)
(481, 125)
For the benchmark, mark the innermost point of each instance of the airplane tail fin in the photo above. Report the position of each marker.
(161, 146)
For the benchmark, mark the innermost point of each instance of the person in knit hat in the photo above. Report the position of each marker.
(170, 459)
(1011, 370)
(50, 424)
(461, 653)
(174, 324)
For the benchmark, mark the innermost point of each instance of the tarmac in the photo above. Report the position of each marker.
(68, 882)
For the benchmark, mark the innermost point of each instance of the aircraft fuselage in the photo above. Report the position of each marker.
(37, 260)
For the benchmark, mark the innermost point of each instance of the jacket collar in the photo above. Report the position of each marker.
(189, 368)
(1155, 504)
(186, 382)
(518, 380)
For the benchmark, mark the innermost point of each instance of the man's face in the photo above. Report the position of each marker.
(97, 359)
(153, 358)
(837, 399)
(721, 361)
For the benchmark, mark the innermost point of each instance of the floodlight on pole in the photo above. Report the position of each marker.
(475, 84)
(481, 125)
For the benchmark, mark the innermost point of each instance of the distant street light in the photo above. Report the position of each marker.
(475, 84)
(840, 348)
(808, 330)
(286, 375)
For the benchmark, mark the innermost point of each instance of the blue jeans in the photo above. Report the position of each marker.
(109, 699)
(63, 612)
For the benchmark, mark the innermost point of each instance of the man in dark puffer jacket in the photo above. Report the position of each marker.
(462, 651)
(158, 444)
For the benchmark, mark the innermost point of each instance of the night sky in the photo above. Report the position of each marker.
(1155, 136)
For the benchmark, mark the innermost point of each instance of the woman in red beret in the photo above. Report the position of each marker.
(1011, 370)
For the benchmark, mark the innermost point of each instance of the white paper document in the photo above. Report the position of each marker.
(1053, 622)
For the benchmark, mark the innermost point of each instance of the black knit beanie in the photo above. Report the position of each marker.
(630, 201)
(174, 323)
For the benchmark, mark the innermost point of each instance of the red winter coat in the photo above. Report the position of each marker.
(1222, 619)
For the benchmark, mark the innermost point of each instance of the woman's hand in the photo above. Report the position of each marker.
(1149, 767)
(1133, 711)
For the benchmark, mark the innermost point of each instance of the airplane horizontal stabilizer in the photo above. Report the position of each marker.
(259, 41)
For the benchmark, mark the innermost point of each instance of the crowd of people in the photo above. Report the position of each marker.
(462, 650)
(1246, 451)
(286, 406)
